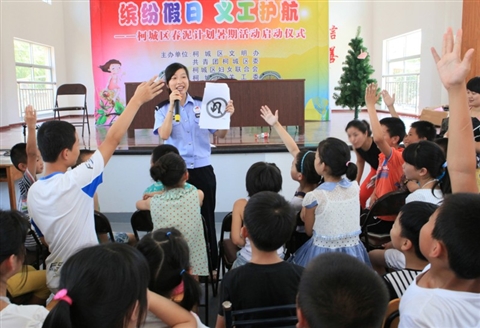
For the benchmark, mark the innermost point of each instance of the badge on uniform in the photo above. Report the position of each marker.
(196, 110)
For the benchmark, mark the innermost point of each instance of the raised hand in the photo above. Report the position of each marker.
(371, 96)
(146, 91)
(30, 116)
(387, 99)
(451, 68)
(267, 115)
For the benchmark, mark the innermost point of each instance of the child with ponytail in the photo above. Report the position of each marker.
(106, 286)
(331, 212)
(178, 207)
(168, 255)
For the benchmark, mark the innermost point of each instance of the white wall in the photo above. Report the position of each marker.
(381, 20)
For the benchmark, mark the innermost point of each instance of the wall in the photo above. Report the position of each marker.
(381, 20)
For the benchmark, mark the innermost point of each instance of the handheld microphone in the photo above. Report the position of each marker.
(176, 103)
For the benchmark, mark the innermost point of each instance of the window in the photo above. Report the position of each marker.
(402, 69)
(48, 1)
(35, 75)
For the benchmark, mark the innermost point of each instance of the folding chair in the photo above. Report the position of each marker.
(75, 89)
(272, 316)
(388, 204)
(141, 221)
(227, 250)
(102, 225)
(392, 316)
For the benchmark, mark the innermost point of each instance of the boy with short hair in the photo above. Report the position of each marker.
(61, 203)
(420, 130)
(267, 280)
(388, 133)
(337, 290)
(447, 293)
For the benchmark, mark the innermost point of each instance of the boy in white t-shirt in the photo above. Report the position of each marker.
(447, 293)
(61, 203)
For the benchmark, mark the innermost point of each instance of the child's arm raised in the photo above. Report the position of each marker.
(272, 120)
(169, 312)
(371, 98)
(237, 222)
(31, 148)
(146, 91)
(461, 145)
(389, 101)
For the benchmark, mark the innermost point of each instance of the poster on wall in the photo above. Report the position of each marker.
(239, 39)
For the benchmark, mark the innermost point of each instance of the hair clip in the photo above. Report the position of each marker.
(303, 159)
(61, 295)
(168, 233)
(182, 272)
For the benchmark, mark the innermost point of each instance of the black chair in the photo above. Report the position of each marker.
(102, 225)
(75, 89)
(392, 314)
(272, 316)
(37, 257)
(227, 250)
(297, 239)
(388, 204)
(141, 220)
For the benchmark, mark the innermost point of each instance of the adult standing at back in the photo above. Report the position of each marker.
(192, 142)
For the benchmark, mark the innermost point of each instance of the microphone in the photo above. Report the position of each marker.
(176, 103)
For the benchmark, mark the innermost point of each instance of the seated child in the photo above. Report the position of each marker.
(405, 255)
(387, 134)
(13, 231)
(158, 152)
(61, 203)
(178, 207)
(106, 286)
(261, 176)
(447, 293)
(425, 162)
(26, 158)
(331, 212)
(420, 130)
(338, 290)
(168, 258)
(266, 280)
(119, 237)
(302, 171)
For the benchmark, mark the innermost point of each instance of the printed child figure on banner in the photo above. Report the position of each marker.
(111, 104)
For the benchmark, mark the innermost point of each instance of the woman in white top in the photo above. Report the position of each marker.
(425, 162)
(13, 231)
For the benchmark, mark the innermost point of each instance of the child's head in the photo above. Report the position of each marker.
(269, 220)
(170, 169)
(168, 255)
(111, 66)
(84, 156)
(13, 231)
(107, 285)
(420, 130)
(303, 167)
(405, 232)
(263, 176)
(337, 290)
(426, 160)
(333, 158)
(56, 138)
(451, 235)
(161, 150)
(18, 156)
(358, 132)
(393, 130)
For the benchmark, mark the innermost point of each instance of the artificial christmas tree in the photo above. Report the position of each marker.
(355, 78)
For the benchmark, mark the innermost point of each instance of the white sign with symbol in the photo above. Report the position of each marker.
(214, 105)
